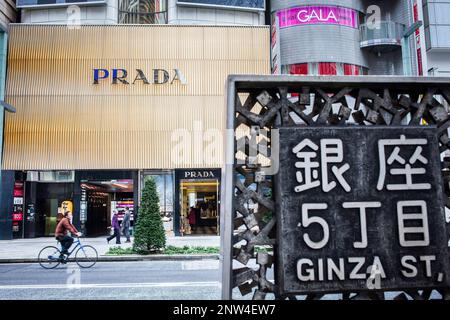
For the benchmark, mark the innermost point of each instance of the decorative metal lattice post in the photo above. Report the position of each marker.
(257, 108)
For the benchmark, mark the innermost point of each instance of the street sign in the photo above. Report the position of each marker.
(360, 208)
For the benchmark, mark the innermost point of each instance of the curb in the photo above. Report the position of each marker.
(161, 257)
(125, 258)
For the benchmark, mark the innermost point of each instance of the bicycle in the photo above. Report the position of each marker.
(49, 257)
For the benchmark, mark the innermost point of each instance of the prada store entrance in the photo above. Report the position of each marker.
(199, 202)
(103, 198)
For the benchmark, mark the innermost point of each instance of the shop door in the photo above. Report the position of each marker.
(97, 219)
(199, 207)
(104, 197)
(50, 216)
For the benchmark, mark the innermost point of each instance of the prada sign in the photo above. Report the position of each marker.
(192, 174)
(199, 174)
(122, 76)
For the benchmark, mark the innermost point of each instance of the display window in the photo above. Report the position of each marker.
(327, 69)
(102, 198)
(199, 207)
(164, 187)
(298, 69)
(324, 69)
(197, 198)
(351, 70)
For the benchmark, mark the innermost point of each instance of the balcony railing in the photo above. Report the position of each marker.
(386, 36)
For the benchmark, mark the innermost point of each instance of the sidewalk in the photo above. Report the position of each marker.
(27, 250)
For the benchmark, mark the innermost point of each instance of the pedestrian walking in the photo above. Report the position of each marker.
(126, 222)
(116, 227)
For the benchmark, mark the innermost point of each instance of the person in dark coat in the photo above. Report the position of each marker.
(197, 214)
(126, 224)
(116, 226)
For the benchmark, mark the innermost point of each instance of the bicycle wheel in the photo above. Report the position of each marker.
(49, 257)
(86, 256)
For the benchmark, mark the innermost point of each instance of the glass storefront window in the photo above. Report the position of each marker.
(164, 187)
(324, 69)
(51, 176)
(142, 11)
(300, 69)
(199, 206)
(327, 69)
(351, 70)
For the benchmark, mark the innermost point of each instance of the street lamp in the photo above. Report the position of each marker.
(406, 52)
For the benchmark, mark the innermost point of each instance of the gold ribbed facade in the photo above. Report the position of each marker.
(65, 122)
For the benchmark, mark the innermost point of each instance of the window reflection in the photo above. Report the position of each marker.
(324, 68)
(164, 187)
(142, 11)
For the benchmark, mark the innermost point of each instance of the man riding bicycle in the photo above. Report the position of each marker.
(63, 227)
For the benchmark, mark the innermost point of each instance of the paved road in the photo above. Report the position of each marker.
(113, 280)
(144, 280)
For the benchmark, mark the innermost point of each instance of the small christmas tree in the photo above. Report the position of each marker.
(149, 235)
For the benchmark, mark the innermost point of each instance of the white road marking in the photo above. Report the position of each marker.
(200, 265)
(112, 285)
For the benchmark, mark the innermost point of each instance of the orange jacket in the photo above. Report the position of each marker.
(63, 226)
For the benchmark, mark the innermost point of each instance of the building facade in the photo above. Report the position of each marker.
(8, 14)
(99, 111)
(346, 37)
(94, 190)
(437, 35)
(216, 12)
(68, 12)
(190, 12)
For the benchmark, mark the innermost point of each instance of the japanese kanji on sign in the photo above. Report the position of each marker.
(360, 208)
